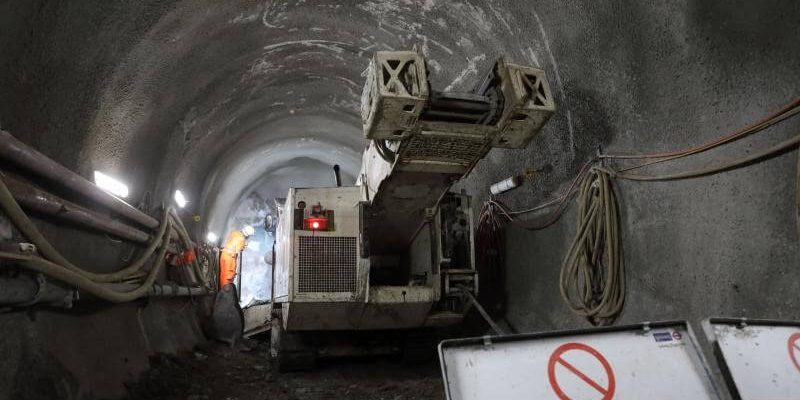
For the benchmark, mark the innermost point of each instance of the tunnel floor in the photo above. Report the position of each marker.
(216, 371)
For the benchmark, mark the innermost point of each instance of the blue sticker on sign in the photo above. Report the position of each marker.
(662, 336)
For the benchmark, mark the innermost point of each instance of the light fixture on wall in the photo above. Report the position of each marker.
(212, 237)
(110, 184)
(180, 199)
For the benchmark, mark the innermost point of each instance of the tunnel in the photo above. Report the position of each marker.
(233, 103)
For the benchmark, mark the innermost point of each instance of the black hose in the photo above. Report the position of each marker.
(384, 151)
(337, 176)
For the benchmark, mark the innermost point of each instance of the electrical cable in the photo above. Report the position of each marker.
(784, 113)
(490, 239)
(788, 111)
(797, 195)
(764, 154)
(489, 235)
(561, 201)
(701, 148)
(592, 279)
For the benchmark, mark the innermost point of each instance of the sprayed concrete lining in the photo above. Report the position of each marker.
(224, 100)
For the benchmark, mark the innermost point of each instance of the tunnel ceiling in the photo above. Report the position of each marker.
(209, 97)
(212, 97)
(235, 89)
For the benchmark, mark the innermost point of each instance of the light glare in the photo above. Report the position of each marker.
(212, 237)
(180, 200)
(110, 184)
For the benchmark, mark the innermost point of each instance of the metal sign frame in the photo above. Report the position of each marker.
(645, 326)
(733, 389)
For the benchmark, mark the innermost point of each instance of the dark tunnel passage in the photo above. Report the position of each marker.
(233, 103)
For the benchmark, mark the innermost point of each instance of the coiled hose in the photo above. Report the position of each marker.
(592, 280)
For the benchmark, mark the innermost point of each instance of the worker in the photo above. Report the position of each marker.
(236, 242)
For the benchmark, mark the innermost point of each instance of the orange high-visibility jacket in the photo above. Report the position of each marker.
(227, 258)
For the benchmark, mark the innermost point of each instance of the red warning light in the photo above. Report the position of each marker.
(316, 224)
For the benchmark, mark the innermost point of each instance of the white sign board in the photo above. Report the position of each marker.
(763, 360)
(660, 362)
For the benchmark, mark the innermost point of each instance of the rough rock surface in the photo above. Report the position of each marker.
(216, 371)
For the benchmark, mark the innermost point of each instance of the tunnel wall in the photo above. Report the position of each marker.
(56, 59)
(166, 95)
(648, 78)
(651, 77)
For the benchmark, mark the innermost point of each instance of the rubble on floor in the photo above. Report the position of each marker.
(218, 372)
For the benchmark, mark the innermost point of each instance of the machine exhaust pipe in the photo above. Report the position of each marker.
(337, 176)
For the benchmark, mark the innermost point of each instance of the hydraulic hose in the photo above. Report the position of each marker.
(592, 280)
(383, 150)
(28, 229)
(86, 284)
(183, 235)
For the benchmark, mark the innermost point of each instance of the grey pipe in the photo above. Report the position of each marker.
(18, 153)
(177, 291)
(162, 290)
(34, 199)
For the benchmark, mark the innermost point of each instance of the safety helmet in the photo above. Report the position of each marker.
(248, 230)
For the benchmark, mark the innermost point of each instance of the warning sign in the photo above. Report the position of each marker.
(794, 350)
(763, 357)
(560, 358)
(599, 364)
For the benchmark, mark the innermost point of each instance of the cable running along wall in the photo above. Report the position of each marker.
(592, 280)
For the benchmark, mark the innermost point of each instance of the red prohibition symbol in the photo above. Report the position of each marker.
(557, 358)
(794, 349)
